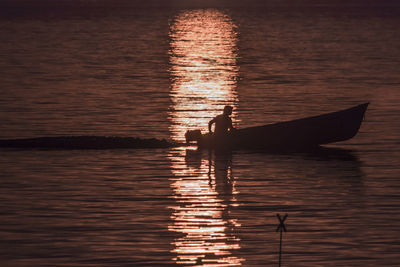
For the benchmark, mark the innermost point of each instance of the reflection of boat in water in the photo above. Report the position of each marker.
(194, 158)
(298, 134)
(295, 183)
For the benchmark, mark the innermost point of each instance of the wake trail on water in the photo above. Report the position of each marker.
(86, 142)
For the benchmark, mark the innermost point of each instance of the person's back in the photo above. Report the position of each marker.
(223, 123)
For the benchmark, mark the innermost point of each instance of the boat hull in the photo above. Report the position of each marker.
(293, 135)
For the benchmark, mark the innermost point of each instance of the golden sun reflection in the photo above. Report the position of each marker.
(204, 75)
(205, 193)
(203, 66)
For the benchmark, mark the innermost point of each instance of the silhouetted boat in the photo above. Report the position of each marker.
(300, 134)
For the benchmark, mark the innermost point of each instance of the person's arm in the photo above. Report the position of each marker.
(230, 127)
(210, 124)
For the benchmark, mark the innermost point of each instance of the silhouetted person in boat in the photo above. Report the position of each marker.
(223, 123)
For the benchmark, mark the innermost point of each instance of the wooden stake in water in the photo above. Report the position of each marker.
(281, 228)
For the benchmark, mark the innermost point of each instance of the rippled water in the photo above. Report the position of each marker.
(157, 73)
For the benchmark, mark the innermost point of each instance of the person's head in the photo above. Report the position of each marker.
(228, 110)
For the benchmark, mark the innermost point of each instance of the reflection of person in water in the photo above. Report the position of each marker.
(223, 123)
(219, 170)
(213, 206)
(223, 174)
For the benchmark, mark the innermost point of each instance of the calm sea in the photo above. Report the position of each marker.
(158, 72)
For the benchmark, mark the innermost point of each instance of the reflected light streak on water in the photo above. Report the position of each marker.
(203, 67)
(204, 196)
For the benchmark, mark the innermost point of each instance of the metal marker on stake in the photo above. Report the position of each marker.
(282, 228)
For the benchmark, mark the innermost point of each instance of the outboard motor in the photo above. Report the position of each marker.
(194, 135)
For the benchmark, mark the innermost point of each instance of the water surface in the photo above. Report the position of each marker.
(157, 73)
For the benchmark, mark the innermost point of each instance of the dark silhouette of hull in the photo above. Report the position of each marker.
(302, 134)
(298, 134)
